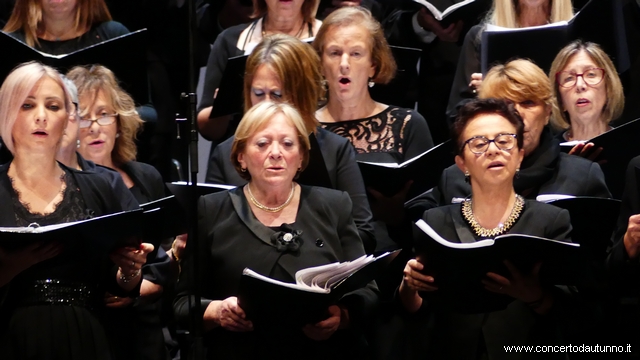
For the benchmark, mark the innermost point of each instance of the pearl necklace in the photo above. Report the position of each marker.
(270, 209)
(467, 213)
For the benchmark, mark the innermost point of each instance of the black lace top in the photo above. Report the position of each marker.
(393, 135)
(71, 208)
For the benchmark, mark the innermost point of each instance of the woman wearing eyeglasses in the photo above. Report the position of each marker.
(587, 91)
(489, 136)
(108, 125)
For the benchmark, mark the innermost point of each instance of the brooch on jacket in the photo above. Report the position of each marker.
(287, 239)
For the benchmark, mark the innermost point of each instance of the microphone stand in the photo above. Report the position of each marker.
(195, 309)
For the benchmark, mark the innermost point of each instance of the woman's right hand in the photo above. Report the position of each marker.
(415, 280)
(476, 82)
(228, 314)
(631, 238)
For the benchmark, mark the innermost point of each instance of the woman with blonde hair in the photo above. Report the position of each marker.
(504, 13)
(52, 295)
(62, 27)
(284, 69)
(587, 92)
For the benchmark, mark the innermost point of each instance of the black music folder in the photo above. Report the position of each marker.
(125, 55)
(450, 11)
(619, 145)
(599, 21)
(170, 215)
(425, 171)
(99, 234)
(458, 268)
(593, 220)
(230, 98)
(273, 303)
(402, 90)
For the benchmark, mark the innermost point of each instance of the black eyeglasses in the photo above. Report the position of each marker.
(569, 79)
(103, 120)
(479, 144)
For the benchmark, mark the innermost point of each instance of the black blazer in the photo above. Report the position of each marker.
(339, 158)
(460, 336)
(568, 174)
(231, 238)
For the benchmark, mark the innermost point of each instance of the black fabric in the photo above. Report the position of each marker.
(552, 172)
(127, 200)
(97, 34)
(231, 238)
(61, 332)
(468, 63)
(136, 330)
(464, 336)
(343, 171)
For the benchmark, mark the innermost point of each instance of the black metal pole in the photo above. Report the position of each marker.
(197, 348)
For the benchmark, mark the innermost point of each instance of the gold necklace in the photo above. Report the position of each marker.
(467, 213)
(270, 209)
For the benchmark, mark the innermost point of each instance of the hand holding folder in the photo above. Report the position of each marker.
(460, 268)
(269, 302)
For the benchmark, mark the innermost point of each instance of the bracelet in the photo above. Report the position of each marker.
(125, 279)
(173, 251)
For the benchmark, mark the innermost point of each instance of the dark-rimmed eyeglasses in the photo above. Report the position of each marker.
(479, 144)
(569, 79)
(103, 120)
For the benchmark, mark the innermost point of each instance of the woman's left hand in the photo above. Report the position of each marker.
(325, 328)
(588, 151)
(524, 287)
(112, 301)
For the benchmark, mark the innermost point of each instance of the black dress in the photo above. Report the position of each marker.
(52, 309)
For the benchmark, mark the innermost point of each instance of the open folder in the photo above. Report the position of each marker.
(599, 21)
(619, 146)
(458, 268)
(272, 303)
(125, 55)
(98, 234)
(447, 12)
(170, 215)
(425, 171)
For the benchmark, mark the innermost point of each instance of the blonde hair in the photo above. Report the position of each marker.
(381, 55)
(517, 81)
(255, 119)
(298, 69)
(308, 10)
(14, 91)
(27, 16)
(505, 13)
(90, 82)
(615, 96)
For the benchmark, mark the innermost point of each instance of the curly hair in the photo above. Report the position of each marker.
(90, 81)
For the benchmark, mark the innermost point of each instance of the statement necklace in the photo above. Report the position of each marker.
(270, 209)
(467, 213)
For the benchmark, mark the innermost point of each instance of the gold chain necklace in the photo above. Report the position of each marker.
(270, 209)
(480, 231)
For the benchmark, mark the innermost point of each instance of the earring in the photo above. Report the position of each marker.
(467, 177)
(117, 135)
(243, 169)
(325, 89)
(517, 176)
(300, 169)
(78, 143)
(371, 83)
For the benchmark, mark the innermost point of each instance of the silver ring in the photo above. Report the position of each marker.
(133, 263)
